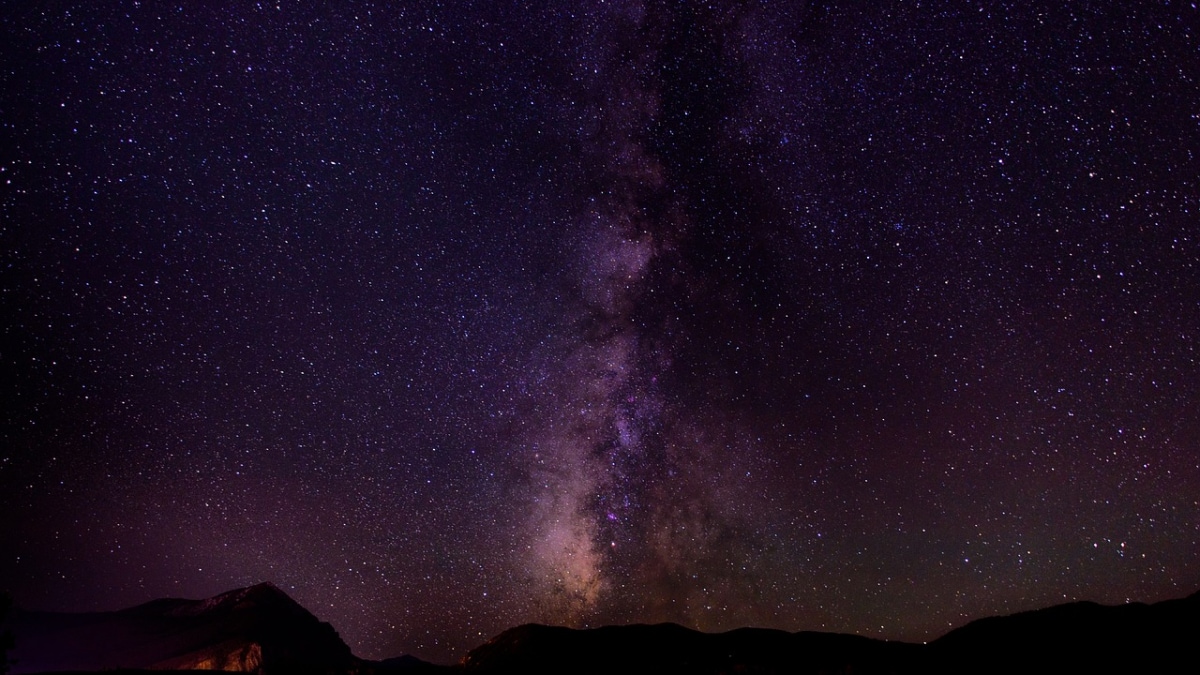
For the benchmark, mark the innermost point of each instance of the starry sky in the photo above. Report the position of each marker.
(451, 316)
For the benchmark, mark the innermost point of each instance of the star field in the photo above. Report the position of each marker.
(452, 316)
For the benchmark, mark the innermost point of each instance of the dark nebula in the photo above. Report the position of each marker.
(451, 316)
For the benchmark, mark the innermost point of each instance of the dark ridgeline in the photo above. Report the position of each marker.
(261, 629)
(1080, 637)
(1076, 638)
(669, 648)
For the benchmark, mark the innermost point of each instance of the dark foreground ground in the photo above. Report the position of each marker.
(260, 629)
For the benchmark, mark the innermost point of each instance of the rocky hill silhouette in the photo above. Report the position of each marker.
(259, 628)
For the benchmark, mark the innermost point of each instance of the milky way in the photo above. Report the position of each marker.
(620, 525)
(454, 316)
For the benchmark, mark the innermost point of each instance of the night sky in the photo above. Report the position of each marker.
(451, 316)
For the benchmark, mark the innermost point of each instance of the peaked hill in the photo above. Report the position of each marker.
(249, 629)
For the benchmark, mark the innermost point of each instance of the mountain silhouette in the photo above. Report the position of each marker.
(1075, 638)
(1080, 637)
(669, 648)
(260, 629)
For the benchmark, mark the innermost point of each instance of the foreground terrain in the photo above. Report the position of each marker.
(261, 629)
